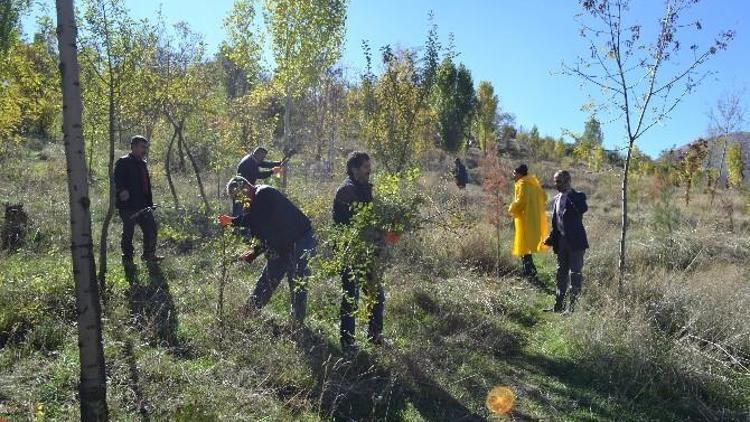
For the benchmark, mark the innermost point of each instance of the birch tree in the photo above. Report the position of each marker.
(92, 387)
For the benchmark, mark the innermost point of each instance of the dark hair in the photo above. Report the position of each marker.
(355, 161)
(260, 149)
(564, 174)
(235, 183)
(521, 170)
(138, 138)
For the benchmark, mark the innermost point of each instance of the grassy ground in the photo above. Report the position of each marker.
(674, 346)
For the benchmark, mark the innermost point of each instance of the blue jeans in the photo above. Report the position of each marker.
(349, 299)
(294, 266)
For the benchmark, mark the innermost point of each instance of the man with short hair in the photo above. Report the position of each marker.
(354, 191)
(251, 164)
(529, 217)
(286, 237)
(568, 240)
(134, 201)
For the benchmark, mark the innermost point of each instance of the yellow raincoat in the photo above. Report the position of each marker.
(529, 216)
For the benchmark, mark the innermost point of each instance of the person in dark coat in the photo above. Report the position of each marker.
(250, 166)
(568, 240)
(285, 235)
(460, 174)
(133, 199)
(356, 189)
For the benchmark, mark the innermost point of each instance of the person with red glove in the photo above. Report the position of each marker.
(287, 239)
(356, 189)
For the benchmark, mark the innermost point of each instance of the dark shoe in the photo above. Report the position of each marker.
(379, 340)
(558, 308)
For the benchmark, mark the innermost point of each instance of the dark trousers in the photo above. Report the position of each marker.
(295, 266)
(569, 271)
(148, 227)
(349, 299)
(527, 261)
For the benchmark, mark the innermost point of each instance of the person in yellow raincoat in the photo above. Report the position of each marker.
(529, 217)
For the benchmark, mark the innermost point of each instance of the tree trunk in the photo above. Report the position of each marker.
(110, 167)
(111, 203)
(331, 151)
(92, 387)
(287, 138)
(724, 148)
(181, 154)
(91, 155)
(168, 171)
(624, 223)
(180, 137)
(498, 232)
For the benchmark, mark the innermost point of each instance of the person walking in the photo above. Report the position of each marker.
(134, 201)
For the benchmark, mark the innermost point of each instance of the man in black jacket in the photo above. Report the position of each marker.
(356, 189)
(568, 239)
(286, 238)
(460, 174)
(251, 164)
(133, 198)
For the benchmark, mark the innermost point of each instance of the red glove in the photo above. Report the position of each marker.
(391, 238)
(225, 220)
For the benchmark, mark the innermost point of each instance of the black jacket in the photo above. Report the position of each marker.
(572, 218)
(461, 175)
(251, 169)
(274, 220)
(349, 193)
(131, 174)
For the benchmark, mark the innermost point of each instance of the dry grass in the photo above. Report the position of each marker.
(674, 346)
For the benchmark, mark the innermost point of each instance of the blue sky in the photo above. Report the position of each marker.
(518, 46)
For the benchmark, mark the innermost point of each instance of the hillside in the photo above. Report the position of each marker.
(674, 346)
(716, 146)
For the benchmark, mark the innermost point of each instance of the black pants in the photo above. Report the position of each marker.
(569, 271)
(529, 269)
(293, 265)
(148, 227)
(349, 299)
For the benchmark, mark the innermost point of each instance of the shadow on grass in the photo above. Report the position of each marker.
(141, 403)
(613, 387)
(363, 389)
(540, 285)
(152, 307)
